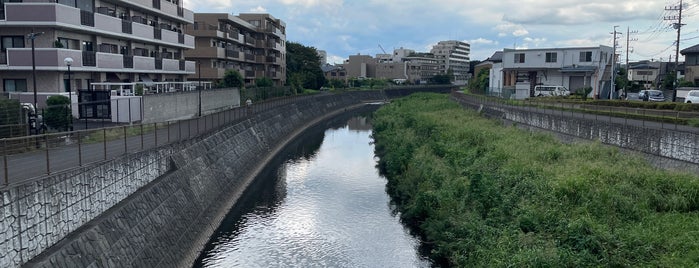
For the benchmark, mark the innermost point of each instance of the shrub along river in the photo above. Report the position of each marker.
(320, 203)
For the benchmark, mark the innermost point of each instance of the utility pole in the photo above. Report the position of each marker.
(628, 40)
(611, 90)
(678, 25)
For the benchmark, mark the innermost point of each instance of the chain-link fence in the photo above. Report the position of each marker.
(27, 157)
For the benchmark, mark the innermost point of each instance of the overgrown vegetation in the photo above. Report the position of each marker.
(484, 195)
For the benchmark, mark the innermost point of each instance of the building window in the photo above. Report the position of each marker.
(11, 41)
(15, 85)
(551, 57)
(519, 57)
(586, 56)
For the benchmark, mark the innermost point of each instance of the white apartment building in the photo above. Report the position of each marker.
(453, 56)
(108, 41)
(573, 68)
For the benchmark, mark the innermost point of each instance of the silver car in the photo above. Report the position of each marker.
(653, 95)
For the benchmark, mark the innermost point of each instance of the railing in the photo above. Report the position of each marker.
(232, 53)
(249, 57)
(89, 58)
(3, 57)
(87, 18)
(126, 26)
(158, 63)
(128, 61)
(182, 65)
(180, 38)
(156, 4)
(24, 158)
(157, 33)
(180, 11)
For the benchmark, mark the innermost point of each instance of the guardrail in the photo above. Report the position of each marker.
(26, 158)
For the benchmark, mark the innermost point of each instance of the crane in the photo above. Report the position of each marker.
(384, 51)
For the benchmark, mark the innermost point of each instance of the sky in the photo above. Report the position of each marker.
(350, 27)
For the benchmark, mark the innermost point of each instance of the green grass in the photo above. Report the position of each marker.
(484, 195)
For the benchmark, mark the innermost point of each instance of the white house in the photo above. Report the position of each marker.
(573, 68)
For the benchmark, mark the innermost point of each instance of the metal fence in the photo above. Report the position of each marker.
(24, 158)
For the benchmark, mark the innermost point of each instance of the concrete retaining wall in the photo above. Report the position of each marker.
(665, 147)
(182, 105)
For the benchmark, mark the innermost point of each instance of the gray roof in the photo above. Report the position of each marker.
(692, 49)
(496, 57)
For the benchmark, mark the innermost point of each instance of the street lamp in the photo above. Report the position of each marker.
(33, 36)
(69, 61)
(199, 71)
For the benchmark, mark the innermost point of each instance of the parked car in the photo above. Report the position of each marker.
(642, 95)
(692, 97)
(652, 95)
(632, 96)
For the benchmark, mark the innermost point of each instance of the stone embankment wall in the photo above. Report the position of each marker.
(167, 223)
(155, 208)
(666, 148)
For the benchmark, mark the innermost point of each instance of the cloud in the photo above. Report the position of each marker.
(511, 28)
(258, 9)
(482, 41)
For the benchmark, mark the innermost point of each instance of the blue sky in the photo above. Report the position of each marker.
(349, 27)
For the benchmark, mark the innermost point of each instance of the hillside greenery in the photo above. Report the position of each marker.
(484, 195)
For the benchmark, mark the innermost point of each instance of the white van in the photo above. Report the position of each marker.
(542, 91)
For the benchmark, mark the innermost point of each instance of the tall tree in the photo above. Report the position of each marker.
(303, 65)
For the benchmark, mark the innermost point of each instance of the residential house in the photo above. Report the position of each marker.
(691, 64)
(573, 68)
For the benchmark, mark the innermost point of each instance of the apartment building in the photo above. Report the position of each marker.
(107, 40)
(453, 57)
(573, 68)
(252, 44)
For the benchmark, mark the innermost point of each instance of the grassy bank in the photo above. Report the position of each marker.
(486, 195)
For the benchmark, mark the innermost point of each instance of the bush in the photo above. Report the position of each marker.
(263, 82)
(57, 115)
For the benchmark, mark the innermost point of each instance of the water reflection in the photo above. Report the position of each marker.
(323, 205)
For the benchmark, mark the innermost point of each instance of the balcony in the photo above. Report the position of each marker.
(249, 74)
(70, 17)
(249, 57)
(232, 53)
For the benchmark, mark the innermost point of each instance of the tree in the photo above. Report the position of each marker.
(622, 79)
(441, 79)
(480, 82)
(669, 80)
(232, 78)
(263, 82)
(57, 115)
(303, 66)
(337, 83)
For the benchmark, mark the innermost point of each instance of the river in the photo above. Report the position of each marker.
(321, 203)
